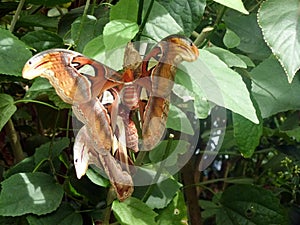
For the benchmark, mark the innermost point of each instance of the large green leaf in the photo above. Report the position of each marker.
(174, 213)
(118, 32)
(7, 109)
(272, 90)
(38, 20)
(163, 193)
(24, 193)
(133, 212)
(247, 204)
(279, 21)
(65, 215)
(160, 23)
(251, 39)
(187, 14)
(234, 4)
(220, 85)
(42, 40)
(247, 134)
(13, 54)
(124, 10)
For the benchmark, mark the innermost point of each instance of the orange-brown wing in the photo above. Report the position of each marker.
(170, 52)
(61, 67)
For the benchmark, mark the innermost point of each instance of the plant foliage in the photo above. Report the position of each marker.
(249, 64)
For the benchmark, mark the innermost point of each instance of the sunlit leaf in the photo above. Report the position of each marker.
(118, 32)
(124, 10)
(133, 212)
(280, 21)
(234, 4)
(24, 193)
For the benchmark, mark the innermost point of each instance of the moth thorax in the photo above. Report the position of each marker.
(129, 96)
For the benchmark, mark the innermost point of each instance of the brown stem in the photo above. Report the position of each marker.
(190, 192)
(14, 141)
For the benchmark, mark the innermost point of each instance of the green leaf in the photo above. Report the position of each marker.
(24, 193)
(174, 213)
(53, 147)
(124, 10)
(247, 204)
(251, 39)
(234, 4)
(48, 3)
(177, 120)
(119, 32)
(231, 39)
(42, 40)
(13, 54)
(7, 108)
(133, 212)
(160, 23)
(177, 148)
(279, 21)
(94, 48)
(275, 96)
(163, 193)
(83, 30)
(95, 176)
(227, 57)
(38, 20)
(64, 215)
(247, 134)
(221, 85)
(25, 166)
(187, 14)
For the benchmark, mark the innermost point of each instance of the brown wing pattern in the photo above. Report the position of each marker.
(103, 127)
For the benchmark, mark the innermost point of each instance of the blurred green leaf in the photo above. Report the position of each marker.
(279, 21)
(93, 174)
(7, 109)
(177, 120)
(234, 4)
(13, 54)
(133, 212)
(275, 96)
(24, 193)
(227, 57)
(64, 215)
(124, 10)
(187, 13)
(220, 85)
(42, 40)
(251, 204)
(118, 32)
(38, 20)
